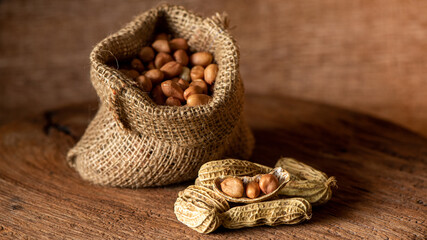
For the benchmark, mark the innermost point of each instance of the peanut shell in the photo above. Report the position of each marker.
(271, 213)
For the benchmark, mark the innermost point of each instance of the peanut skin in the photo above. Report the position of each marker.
(146, 54)
(155, 75)
(252, 190)
(171, 69)
(161, 59)
(197, 72)
(233, 187)
(198, 99)
(161, 46)
(200, 83)
(171, 101)
(210, 73)
(178, 44)
(144, 83)
(137, 65)
(201, 58)
(158, 96)
(192, 90)
(181, 57)
(268, 183)
(172, 89)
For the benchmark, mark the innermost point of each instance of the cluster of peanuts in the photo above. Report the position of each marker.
(234, 187)
(163, 70)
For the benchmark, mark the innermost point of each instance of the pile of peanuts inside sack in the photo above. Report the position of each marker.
(171, 74)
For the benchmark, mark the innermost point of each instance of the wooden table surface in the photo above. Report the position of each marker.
(380, 168)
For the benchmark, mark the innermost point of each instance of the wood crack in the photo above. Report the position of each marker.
(50, 124)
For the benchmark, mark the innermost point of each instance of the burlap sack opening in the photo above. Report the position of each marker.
(132, 142)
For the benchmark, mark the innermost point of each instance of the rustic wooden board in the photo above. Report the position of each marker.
(380, 167)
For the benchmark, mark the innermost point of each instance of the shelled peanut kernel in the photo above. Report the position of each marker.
(172, 74)
(234, 187)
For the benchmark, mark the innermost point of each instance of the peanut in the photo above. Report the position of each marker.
(198, 99)
(233, 187)
(201, 58)
(161, 59)
(268, 183)
(178, 44)
(200, 83)
(172, 89)
(146, 54)
(171, 69)
(161, 36)
(144, 83)
(161, 45)
(210, 73)
(192, 90)
(150, 65)
(185, 75)
(252, 190)
(168, 59)
(181, 57)
(155, 75)
(137, 65)
(171, 101)
(158, 95)
(183, 84)
(197, 72)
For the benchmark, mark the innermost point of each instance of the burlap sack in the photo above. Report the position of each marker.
(132, 142)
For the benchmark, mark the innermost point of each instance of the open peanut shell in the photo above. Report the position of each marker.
(281, 174)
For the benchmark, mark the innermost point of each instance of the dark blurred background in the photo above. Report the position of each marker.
(368, 56)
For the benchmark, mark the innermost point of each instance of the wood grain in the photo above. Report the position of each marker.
(380, 167)
(363, 55)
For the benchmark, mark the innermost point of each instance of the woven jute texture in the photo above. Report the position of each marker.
(132, 142)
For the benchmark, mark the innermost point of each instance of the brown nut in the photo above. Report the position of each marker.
(171, 69)
(130, 73)
(137, 65)
(150, 65)
(146, 54)
(233, 187)
(155, 75)
(192, 90)
(161, 36)
(201, 83)
(252, 190)
(144, 83)
(172, 89)
(158, 96)
(178, 43)
(161, 46)
(161, 59)
(201, 58)
(210, 73)
(197, 72)
(182, 83)
(185, 75)
(268, 183)
(171, 101)
(198, 99)
(181, 57)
